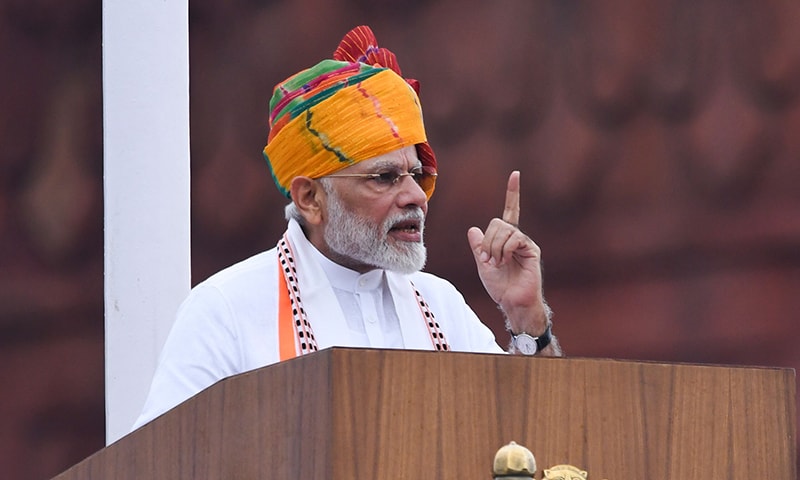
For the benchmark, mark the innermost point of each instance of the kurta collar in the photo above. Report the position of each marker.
(323, 308)
(347, 279)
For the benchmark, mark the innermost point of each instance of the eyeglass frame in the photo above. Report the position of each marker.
(397, 174)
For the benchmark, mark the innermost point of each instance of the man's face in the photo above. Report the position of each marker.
(370, 225)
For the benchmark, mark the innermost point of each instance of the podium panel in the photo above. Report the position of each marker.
(358, 413)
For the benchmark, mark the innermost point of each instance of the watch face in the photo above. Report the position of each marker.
(525, 344)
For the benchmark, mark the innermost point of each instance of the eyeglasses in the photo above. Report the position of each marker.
(383, 181)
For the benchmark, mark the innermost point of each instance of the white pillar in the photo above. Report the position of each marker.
(146, 184)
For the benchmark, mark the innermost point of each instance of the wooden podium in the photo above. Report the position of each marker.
(390, 414)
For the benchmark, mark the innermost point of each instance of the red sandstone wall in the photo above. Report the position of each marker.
(658, 143)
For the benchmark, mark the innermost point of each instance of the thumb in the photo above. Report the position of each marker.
(475, 237)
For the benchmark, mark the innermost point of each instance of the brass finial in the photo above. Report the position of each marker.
(514, 462)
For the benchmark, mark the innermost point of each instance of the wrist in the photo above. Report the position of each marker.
(536, 325)
(534, 320)
(527, 344)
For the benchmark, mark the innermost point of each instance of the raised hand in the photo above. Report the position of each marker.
(509, 265)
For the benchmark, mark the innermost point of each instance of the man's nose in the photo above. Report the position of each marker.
(411, 192)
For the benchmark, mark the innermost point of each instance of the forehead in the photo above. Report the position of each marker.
(403, 158)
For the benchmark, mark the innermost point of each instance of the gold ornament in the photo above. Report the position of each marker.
(565, 472)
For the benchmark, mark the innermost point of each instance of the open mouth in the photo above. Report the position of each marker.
(406, 226)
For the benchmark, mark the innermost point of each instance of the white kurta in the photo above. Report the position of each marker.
(228, 323)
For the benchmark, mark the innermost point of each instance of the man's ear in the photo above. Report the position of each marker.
(309, 197)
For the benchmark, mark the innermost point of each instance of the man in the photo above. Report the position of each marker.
(347, 146)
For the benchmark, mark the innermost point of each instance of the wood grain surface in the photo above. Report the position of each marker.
(351, 413)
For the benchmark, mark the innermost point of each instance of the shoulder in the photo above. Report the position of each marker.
(258, 265)
(255, 271)
(242, 286)
(429, 279)
(433, 285)
(441, 293)
(233, 309)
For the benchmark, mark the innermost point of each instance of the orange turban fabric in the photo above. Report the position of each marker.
(344, 111)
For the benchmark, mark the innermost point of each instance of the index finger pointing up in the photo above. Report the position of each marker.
(511, 210)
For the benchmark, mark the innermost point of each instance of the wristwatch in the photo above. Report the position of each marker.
(530, 345)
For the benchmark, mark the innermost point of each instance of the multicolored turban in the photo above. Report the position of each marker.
(344, 111)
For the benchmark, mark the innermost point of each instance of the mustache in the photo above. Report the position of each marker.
(413, 214)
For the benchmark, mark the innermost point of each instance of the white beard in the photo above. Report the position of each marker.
(358, 239)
